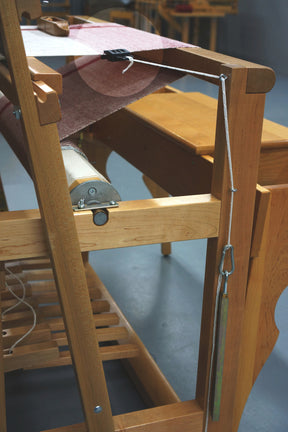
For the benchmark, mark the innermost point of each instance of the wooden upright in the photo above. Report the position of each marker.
(59, 235)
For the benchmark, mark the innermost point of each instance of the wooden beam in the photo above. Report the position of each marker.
(245, 113)
(3, 427)
(132, 223)
(184, 416)
(59, 227)
(260, 79)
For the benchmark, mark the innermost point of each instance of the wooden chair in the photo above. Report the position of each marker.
(61, 238)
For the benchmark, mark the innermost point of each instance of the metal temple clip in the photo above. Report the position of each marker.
(116, 55)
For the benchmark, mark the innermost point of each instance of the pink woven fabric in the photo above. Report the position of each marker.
(95, 88)
(93, 39)
(102, 36)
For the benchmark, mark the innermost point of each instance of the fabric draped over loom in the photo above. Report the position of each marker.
(94, 88)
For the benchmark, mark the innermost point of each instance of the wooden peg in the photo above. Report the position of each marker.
(53, 25)
(47, 103)
(41, 72)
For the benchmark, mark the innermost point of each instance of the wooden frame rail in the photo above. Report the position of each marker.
(133, 223)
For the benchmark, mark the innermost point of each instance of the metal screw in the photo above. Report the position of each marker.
(81, 203)
(17, 113)
(92, 191)
(98, 409)
(112, 203)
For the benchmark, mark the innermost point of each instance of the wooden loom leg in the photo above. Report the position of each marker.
(2, 377)
(55, 206)
(245, 135)
(3, 428)
(268, 274)
(158, 192)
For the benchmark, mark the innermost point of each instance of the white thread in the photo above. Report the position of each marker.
(233, 190)
(20, 301)
(132, 60)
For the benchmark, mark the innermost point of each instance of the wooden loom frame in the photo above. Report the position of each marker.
(60, 234)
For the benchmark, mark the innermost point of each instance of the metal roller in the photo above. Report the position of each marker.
(89, 189)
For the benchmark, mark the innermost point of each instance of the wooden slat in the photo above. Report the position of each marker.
(41, 263)
(103, 335)
(115, 352)
(144, 371)
(47, 297)
(41, 333)
(182, 416)
(30, 355)
(18, 289)
(101, 320)
(21, 307)
(55, 310)
(132, 223)
(17, 319)
(38, 275)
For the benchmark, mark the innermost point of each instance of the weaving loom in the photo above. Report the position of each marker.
(27, 237)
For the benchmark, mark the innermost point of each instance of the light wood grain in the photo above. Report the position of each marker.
(60, 234)
(157, 192)
(275, 278)
(260, 79)
(41, 72)
(28, 8)
(245, 136)
(252, 323)
(114, 352)
(30, 355)
(41, 333)
(144, 371)
(132, 223)
(3, 427)
(161, 419)
(190, 118)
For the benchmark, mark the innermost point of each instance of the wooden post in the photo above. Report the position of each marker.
(56, 212)
(245, 113)
(2, 376)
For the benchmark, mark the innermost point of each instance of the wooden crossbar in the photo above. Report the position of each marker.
(133, 223)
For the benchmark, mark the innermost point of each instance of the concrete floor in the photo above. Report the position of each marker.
(162, 298)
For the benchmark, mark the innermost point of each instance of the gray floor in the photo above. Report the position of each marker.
(162, 299)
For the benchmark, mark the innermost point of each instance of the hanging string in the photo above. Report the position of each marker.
(21, 300)
(228, 246)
